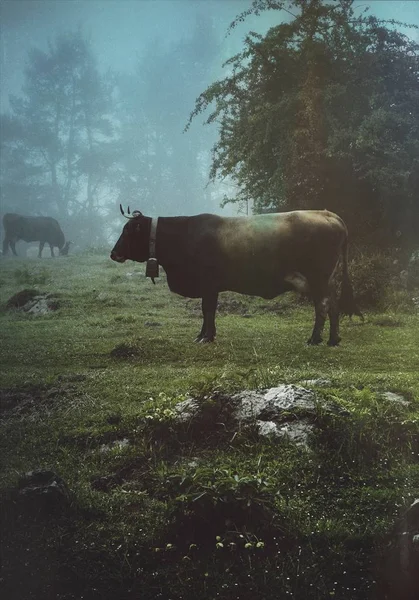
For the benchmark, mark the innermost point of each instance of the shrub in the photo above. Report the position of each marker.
(372, 274)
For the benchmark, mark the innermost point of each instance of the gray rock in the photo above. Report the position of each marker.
(134, 274)
(397, 398)
(187, 410)
(266, 409)
(268, 429)
(33, 303)
(119, 444)
(38, 306)
(297, 432)
(272, 403)
(294, 431)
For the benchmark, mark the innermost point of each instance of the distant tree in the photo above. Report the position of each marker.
(322, 111)
(161, 169)
(57, 139)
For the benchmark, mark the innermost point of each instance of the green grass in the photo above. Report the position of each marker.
(182, 512)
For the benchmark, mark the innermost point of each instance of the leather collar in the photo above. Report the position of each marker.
(152, 240)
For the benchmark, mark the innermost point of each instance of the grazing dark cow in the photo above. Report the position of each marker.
(263, 255)
(33, 229)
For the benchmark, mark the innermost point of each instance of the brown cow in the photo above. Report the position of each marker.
(262, 255)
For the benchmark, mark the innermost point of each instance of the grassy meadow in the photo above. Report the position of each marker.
(160, 510)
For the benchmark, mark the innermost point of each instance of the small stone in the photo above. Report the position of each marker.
(317, 382)
(117, 444)
(397, 398)
(186, 410)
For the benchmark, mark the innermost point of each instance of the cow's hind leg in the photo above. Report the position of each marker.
(321, 307)
(41, 247)
(321, 302)
(209, 306)
(334, 337)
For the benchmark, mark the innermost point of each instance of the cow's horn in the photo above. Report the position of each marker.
(122, 212)
(128, 211)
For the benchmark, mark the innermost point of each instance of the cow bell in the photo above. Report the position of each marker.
(152, 269)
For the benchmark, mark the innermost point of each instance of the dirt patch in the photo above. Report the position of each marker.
(125, 351)
(21, 298)
(135, 473)
(33, 302)
(16, 402)
(388, 321)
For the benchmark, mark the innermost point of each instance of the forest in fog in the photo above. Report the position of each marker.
(181, 107)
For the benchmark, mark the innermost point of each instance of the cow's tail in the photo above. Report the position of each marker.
(347, 304)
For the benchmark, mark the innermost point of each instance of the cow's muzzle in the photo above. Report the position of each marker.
(115, 257)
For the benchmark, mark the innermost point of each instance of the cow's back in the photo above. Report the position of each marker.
(281, 238)
(251, 255)
(10, 221)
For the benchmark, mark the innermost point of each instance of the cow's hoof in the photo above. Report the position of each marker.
(314, 341)
(206, 340)
(203, 339)
(334, 342)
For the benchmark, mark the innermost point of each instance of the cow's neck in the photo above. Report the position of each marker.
(152, 267)
(171, 241)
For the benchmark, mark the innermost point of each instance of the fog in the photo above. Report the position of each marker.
(156, 57)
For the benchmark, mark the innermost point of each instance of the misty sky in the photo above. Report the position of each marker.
(122, 31)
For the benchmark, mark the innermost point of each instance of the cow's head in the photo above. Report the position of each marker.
(133, 241)
(64, 250)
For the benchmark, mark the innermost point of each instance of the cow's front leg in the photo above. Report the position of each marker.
(41, 247)
(321, 306)
(209, 306)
